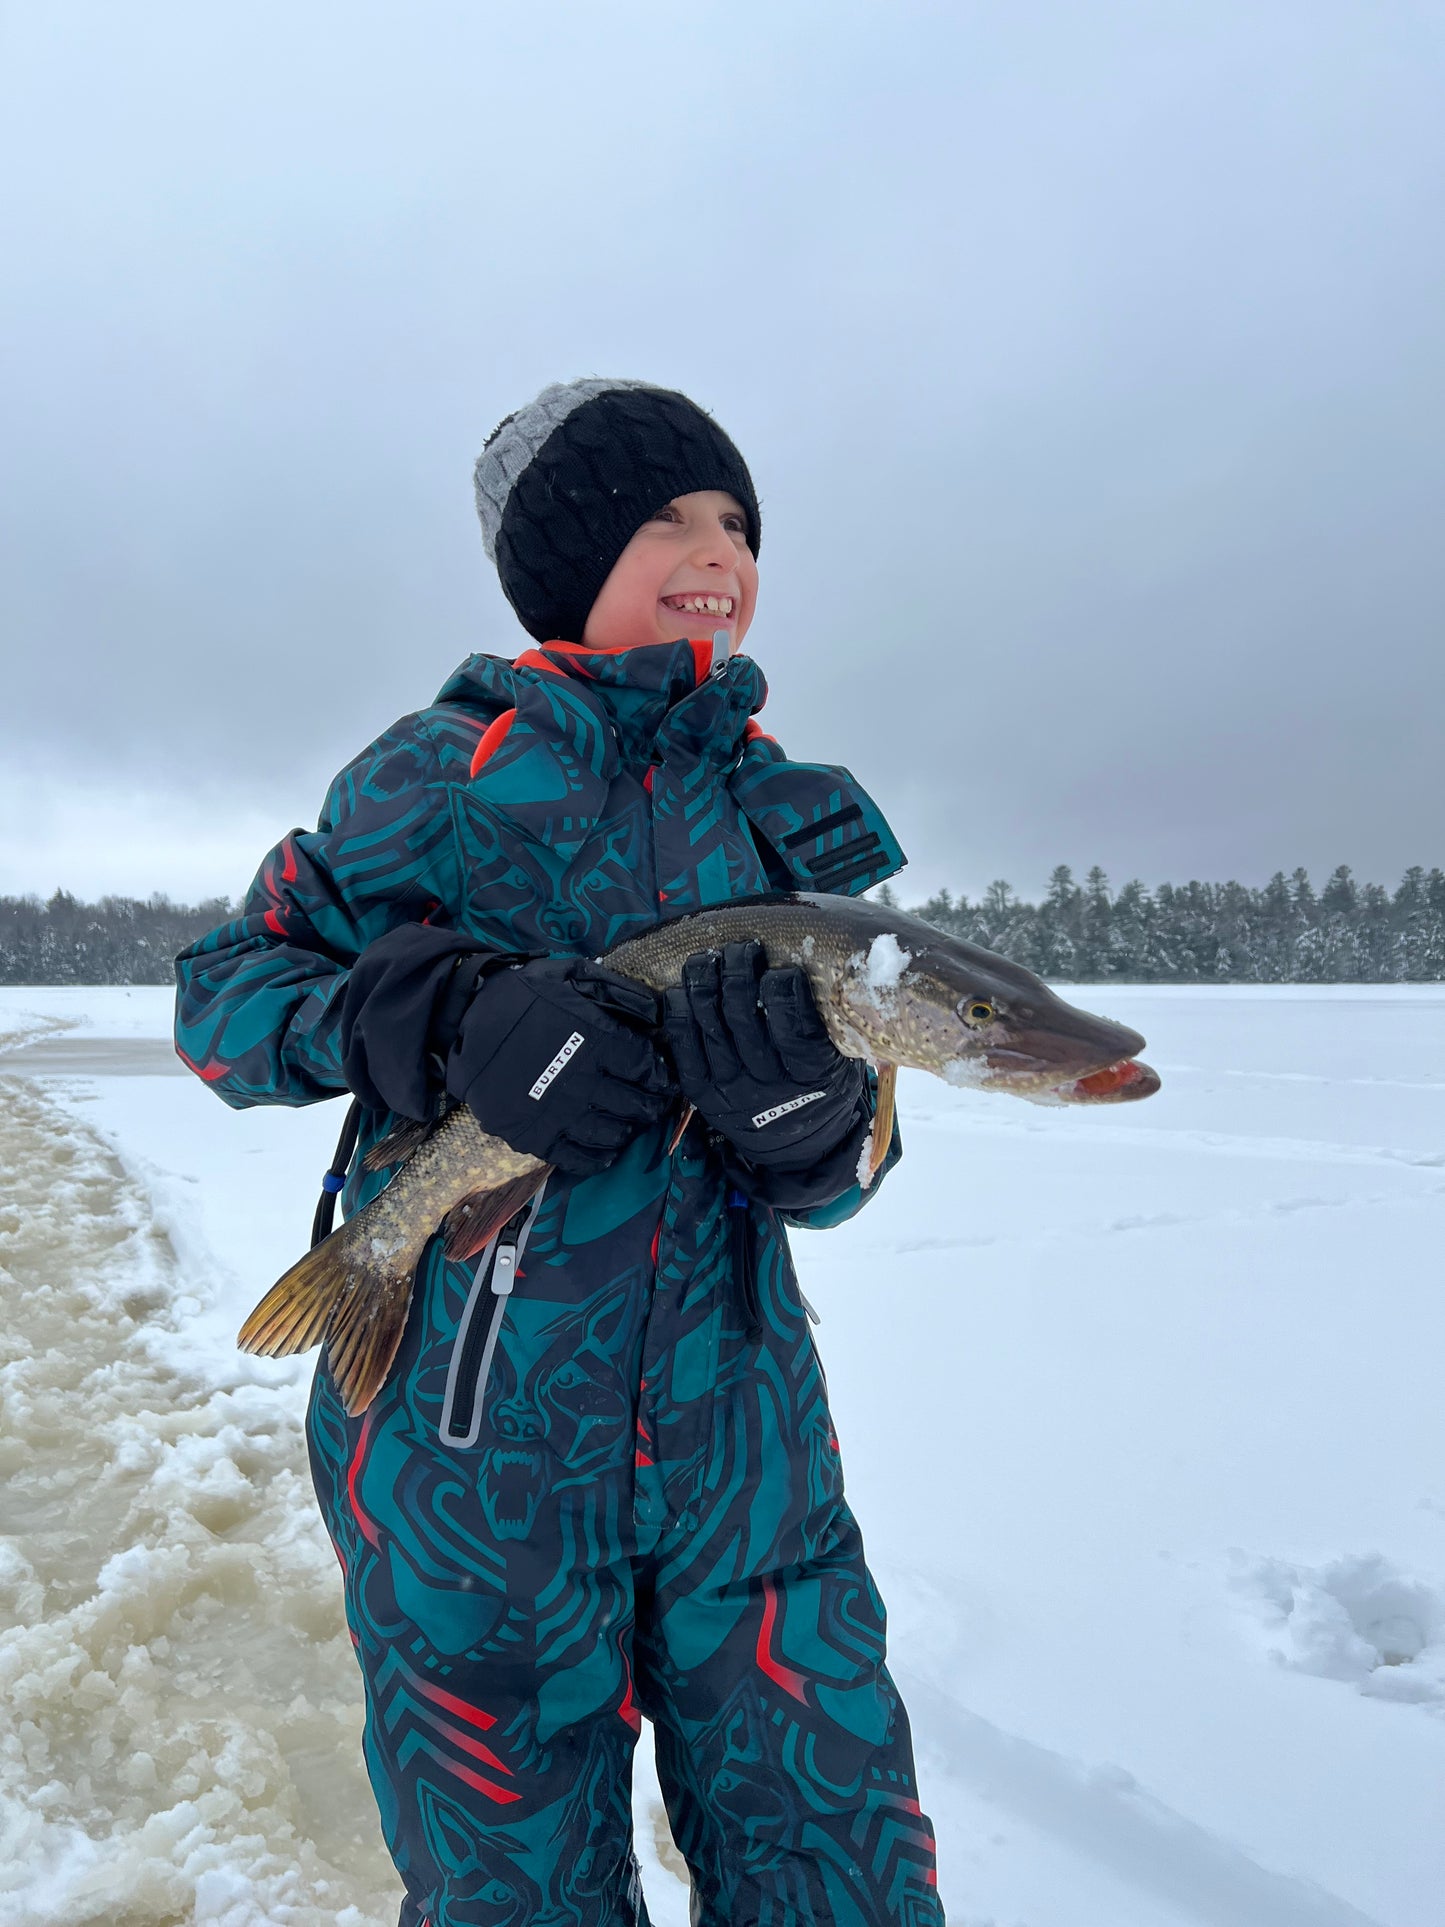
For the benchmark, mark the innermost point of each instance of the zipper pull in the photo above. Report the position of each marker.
(721, 651)
(504, 1260)
(504, 1270)
(807, 1307)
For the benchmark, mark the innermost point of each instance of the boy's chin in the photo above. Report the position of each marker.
(674, 627)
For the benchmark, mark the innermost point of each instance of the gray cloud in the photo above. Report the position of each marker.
(1088, 360)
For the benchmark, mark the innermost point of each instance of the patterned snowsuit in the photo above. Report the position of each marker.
(641, 1510)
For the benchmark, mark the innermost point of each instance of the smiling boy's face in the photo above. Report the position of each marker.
(695, 547)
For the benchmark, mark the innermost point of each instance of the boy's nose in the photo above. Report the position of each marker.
(714, 549)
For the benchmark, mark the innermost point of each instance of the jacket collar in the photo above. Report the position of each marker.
(656, 704)
(569, 720)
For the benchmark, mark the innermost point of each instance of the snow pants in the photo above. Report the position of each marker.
(633, 1508)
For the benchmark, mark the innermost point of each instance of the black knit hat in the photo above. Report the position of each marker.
(564, 484)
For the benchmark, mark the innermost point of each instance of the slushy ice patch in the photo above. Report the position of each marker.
(180, 1709)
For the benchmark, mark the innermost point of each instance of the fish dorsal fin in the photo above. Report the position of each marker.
(402, 1142)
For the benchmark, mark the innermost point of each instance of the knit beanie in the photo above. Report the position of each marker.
(564, 484)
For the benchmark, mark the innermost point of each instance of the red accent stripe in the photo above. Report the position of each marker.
(576, 651)
(628, 1709)
(275, 922)
(288, 867)
(453, 1705)
(465, 1740)
(492, 737)
(784, 1676)
(534, 659)
(368, 1528)
(210, 1072)
(647, 780)
(504, 1794)
(701, 658)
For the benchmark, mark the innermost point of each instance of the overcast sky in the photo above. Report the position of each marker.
(1089, 358)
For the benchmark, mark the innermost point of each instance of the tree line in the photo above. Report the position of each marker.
(1286, 932)
(120, 940)
(1212, 933)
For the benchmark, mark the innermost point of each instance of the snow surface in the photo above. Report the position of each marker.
(1140, 1412)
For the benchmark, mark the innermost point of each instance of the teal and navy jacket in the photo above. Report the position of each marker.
(632, 1502)
(552, 804)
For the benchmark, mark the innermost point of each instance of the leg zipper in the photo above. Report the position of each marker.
(481, 1327)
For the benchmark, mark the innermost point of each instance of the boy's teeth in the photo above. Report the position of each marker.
(703, 604)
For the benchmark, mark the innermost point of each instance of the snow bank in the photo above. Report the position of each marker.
(1358, 1619)
(181, 1738)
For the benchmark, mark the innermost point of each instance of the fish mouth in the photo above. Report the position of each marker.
(1057, 1070)
(1120, 1083)
(1124, 1080)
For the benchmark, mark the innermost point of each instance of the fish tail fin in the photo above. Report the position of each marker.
(293, 1315)
(365, 1328)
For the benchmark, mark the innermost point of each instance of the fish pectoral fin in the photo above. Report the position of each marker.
(293, 1315)
(478, 1218)
(882, 1118)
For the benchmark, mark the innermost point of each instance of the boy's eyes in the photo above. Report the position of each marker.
(733, 521)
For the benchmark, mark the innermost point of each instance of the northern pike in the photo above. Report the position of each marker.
(890, 988)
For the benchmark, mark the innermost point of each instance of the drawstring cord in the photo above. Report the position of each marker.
(335, 1177)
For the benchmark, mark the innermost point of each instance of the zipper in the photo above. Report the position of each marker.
(744, 1261)
(481, 1326)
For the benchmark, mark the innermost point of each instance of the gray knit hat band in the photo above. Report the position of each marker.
(564, 483)
(517, 440)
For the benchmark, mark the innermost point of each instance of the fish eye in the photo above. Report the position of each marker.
(976, 1011)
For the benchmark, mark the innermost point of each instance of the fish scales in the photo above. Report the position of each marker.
(889, 987)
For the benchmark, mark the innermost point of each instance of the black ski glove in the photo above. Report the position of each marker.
(558, 1057)
(404, 998)
(755, 1061)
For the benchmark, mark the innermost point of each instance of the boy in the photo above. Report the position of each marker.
(612, 1490)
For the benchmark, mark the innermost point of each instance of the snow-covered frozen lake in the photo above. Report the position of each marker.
(1140, 1410)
